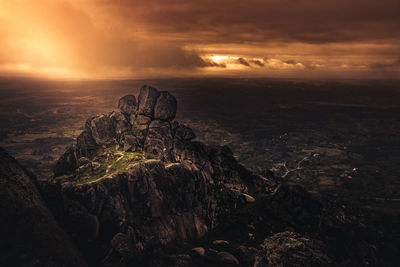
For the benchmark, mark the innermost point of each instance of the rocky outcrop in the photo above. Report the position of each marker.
(172, 189)
(143, 126)
(30, 236)
(137, 190)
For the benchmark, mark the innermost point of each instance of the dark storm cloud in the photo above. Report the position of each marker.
(257, 62)
(391, 66)
(312, 21)
(243, 62)
(290, 61)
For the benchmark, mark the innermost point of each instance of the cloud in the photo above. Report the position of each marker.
(243, 62)
(309, 21)
(257, 62)
(138, 37)
(386, 66)
(290, 62)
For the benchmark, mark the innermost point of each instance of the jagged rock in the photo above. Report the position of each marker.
(165, 108)
(121, 123)
(102, 128)
(291, 249)
(147, 100)
(66, 164)
(127, 104)
(161, 204)
(184, 133)
(30, 236)
(159, 139)
(85, 145)
(200, 251)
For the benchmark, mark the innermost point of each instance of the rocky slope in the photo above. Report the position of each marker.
(30, 236)
(137, 190)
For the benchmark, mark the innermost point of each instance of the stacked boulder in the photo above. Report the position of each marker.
(179, 196)
(146, 125)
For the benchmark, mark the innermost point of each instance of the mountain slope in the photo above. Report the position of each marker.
(30, 236)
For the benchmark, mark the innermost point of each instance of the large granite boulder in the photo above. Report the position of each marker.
(121, 122)
(127, 104)
(147, 100)
(165, 108)
(102, 128)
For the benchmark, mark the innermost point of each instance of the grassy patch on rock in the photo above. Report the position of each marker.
(107, 161)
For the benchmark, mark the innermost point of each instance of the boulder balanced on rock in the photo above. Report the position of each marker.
(145, 125)
(138, 181)
(147, 100)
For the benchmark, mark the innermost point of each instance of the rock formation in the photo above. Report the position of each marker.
(160, 187)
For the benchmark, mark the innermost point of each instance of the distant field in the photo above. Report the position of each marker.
(342, 138)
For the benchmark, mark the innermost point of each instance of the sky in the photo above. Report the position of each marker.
(185, 38)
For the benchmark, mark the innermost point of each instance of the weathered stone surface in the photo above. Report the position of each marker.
(147, 100)
(180, 200)
(165, 108)
(140, 120)
(120, 121)
(67, 163)
(85, 145)
(131, 143)
(140, 132)
(127, 104)
(159, 139)
(102, 128)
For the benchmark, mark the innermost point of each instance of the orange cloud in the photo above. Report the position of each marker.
(137, 38)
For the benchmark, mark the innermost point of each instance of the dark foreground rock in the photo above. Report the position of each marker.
(29, 234)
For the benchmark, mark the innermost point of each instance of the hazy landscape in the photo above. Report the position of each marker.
(347, 130)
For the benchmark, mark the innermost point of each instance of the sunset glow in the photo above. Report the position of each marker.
(81, 38)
